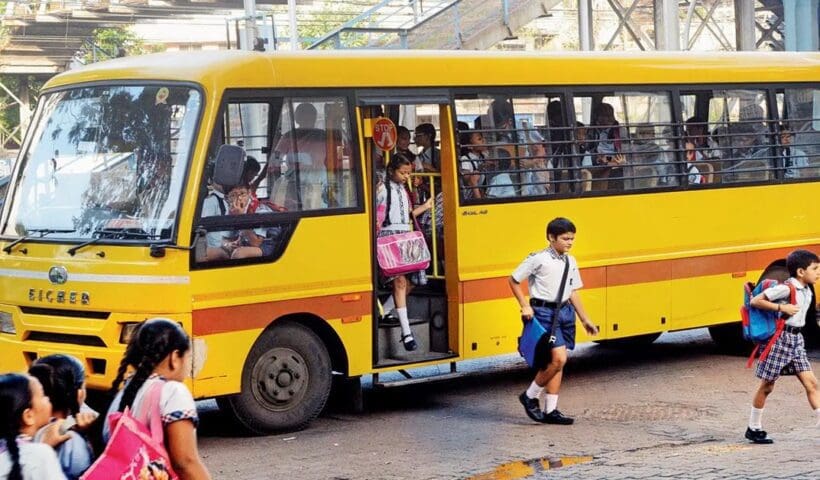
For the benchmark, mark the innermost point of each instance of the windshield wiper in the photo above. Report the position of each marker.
(119, 235)
(42, 231)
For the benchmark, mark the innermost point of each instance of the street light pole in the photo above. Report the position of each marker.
(294, 33)
(250, 24)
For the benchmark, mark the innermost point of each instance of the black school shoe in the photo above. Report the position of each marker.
(532, 407)
(758, 436)
(555, 417)
(409, 342)
(389, 319)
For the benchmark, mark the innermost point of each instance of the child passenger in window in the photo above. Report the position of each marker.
(249, 243)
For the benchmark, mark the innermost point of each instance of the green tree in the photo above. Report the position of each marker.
(10, 110)
(314, 26)
(112, 42)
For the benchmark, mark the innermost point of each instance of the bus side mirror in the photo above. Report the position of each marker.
(230, 162)
(201, 246)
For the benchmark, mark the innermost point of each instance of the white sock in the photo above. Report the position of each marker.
(550, 403)
(817, 411)
(534, 391)
(404, 321)
(389, 305)
(755, 418)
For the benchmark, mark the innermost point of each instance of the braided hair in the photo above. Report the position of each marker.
(15, 398)
(151, 343)
(62, 377)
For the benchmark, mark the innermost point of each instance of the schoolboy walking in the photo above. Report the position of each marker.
(788, 355)
(544, 271)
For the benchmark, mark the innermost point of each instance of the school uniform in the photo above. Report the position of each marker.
(398, 219)
(214, 205)
(788, 355)
(37, 460)
(543, 271)
(794, 160)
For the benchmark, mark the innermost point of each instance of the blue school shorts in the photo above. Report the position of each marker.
(565, 332)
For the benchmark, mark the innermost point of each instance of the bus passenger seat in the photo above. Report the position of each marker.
(708, 171)
(646, 176)
(586, 180)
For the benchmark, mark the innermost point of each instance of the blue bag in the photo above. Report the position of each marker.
(762, 326)
(533, 334)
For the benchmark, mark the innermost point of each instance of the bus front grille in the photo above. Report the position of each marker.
(87, 340)
(56, 312)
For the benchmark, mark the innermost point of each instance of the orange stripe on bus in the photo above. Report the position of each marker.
(210, 321)
(351, 307)
(645, 272)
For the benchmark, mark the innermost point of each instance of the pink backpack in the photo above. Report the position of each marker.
(402, 253)
(135, 450)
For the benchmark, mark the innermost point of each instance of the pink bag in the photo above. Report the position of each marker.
(135, 450)
(402, 253)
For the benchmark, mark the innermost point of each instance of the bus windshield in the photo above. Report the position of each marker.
(106, 162)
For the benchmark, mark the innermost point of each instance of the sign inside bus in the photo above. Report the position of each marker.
(385, 134)
(58, 296)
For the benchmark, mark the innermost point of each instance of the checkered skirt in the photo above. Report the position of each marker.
(787, 357)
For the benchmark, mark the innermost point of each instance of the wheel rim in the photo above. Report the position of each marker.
(280, 379)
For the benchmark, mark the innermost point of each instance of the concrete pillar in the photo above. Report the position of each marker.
(25, 104)
(586, 41)
(745, 25)
(801, 18)
(667, 25)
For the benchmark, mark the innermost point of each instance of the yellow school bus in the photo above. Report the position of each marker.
(233, 192)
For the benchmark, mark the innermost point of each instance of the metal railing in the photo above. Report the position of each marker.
(389, 20)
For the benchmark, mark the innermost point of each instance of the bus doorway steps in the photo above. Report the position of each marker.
(428, 323)
(411, 380)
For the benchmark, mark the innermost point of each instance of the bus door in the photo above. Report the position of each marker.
(420, 124)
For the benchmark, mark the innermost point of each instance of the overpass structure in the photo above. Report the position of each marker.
(41, 37)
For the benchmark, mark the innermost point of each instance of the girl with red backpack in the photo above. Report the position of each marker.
(160, 354)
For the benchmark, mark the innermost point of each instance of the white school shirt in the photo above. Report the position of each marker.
(399, 213)
(543, 271)
(38, 461)
(803, 297)
(210, 208)
(500, 186)
(175, 403)
(794, 162)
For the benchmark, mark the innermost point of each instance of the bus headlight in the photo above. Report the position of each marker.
(7, 323)
(128, 330)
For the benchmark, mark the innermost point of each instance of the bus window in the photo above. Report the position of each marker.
(246, 125)
(800, 150)
(630, 140)
(310, 166)
(516, 158)
(308, 169)
(739, 136)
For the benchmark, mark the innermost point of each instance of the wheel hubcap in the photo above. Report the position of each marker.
(280, 379)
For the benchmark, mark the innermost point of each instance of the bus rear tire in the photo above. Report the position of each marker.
(729, 339)
(286, 381)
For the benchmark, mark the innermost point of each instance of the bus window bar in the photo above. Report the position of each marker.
(429, 181)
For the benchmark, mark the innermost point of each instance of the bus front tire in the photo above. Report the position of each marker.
(286, 381)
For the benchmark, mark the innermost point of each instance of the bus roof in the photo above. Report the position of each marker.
(378, 68)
